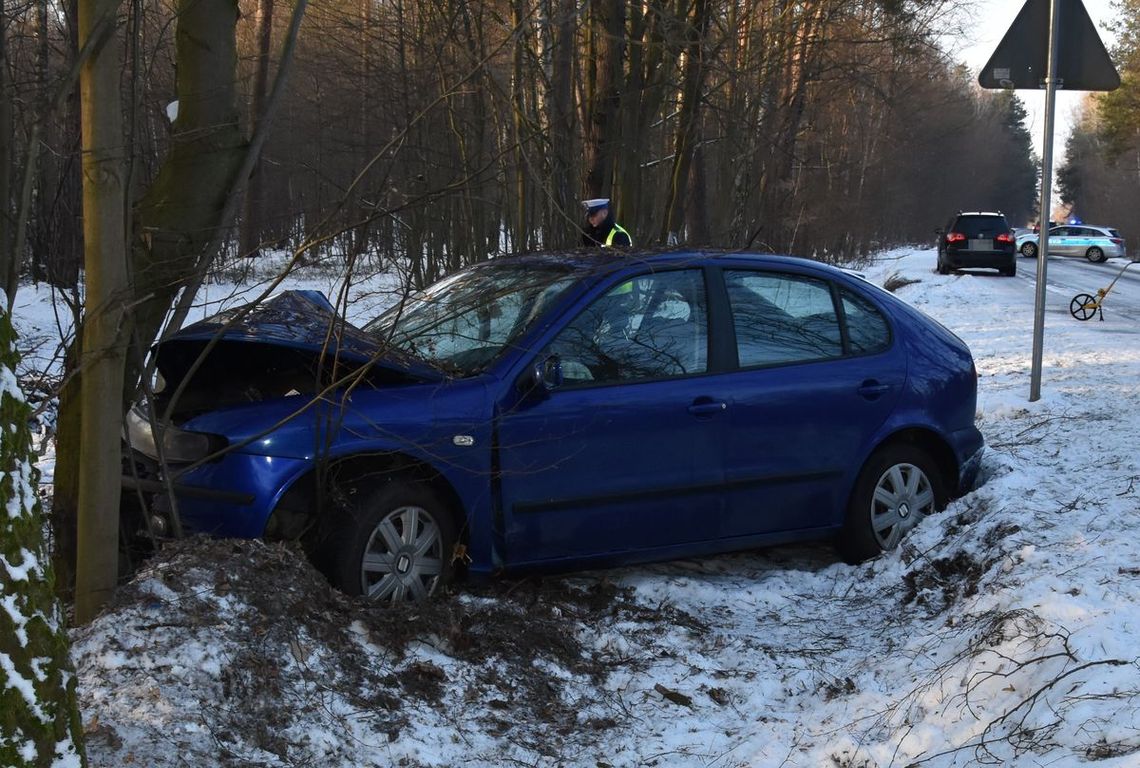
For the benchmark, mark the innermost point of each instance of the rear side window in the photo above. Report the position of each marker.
(976, 227)
(867, 329)
(782, 318)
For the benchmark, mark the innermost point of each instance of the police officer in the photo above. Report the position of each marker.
(600, 229)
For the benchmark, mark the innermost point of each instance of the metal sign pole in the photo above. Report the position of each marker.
(1046, 204)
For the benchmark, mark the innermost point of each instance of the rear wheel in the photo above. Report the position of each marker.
(943, 269)
(1011, 270)
(898, 486)
(1095, 255)
(393, 542)
(1029, 250)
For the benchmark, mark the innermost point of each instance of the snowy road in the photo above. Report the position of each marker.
(1067, 277)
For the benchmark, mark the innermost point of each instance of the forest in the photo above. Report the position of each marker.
(449, 131)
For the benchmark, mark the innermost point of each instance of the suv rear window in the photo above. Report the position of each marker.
(976, 227)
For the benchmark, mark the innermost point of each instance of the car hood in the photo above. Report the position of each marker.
(293, 343)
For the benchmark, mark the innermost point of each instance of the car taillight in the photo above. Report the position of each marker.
(1117, 240)
(955, 237)
(1004, 237)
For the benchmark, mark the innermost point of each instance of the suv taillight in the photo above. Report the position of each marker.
(1117, 240)
(1004, 237)
(955, 237)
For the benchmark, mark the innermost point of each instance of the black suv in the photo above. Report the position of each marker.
(977, 239)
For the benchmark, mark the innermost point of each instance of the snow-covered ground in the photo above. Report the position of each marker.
(1002, 632)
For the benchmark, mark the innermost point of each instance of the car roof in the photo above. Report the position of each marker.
(613, 260)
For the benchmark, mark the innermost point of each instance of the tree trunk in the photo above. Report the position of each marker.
(9, 259)
(104, 338)
(607, 51)
(251, 220)
(563, 159)
(39, 716)
(178, 217)
(687, 122)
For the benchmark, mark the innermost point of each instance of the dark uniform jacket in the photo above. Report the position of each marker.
(597, 236)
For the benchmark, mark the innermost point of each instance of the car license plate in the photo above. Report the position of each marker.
(981, 245)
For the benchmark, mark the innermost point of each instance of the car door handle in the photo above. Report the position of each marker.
(706, 406)
(873, 390)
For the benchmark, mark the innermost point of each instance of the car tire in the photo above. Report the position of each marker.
(1029, 250)
(943, 269)
(1095, 255)
(1011, 270)
(898, 486)
(392, 541)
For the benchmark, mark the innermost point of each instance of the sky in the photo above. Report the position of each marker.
(1003, 630)
(992, 19)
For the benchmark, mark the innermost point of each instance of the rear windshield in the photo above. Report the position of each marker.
(981, 226)
(1114, 233)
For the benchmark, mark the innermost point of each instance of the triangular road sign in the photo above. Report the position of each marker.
(1021, 57)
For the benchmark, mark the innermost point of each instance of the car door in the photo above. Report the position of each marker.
(806, 401)
(625, 455)
(1061, 241)
(1087, 237)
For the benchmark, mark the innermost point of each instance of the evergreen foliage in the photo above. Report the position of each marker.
(39, 717)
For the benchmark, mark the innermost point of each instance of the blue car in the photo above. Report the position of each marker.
(560, 412)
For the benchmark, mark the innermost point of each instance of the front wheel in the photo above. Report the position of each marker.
(1029, 250)
(1095, 255)
(897, 487)
(393, 543)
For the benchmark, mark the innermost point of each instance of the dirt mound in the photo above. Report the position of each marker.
(246, 642)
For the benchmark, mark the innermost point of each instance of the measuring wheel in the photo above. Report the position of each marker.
(1083, 306)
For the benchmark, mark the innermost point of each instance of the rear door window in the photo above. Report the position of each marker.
(780, 318)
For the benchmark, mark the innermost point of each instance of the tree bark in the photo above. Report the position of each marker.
(39, 716)
(563, 224)
(251, 220)
(607, 50)
(104, 338)
(689, 116)
(9, 259)
(178, 217)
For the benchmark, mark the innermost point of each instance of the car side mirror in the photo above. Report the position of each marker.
(544, 376)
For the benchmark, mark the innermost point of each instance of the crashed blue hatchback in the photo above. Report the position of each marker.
(560, 412)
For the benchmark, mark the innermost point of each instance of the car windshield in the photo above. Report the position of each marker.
(465, 321)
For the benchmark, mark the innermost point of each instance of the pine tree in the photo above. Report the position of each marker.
(39, 715)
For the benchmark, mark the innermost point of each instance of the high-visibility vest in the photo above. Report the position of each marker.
(610, 237)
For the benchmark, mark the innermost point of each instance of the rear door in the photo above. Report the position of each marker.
(806, 402)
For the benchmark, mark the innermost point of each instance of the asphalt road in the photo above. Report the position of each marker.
(1066, 277)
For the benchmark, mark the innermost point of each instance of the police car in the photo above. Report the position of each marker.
(1092, 242)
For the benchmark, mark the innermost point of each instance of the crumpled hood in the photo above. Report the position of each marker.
(293, 343)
